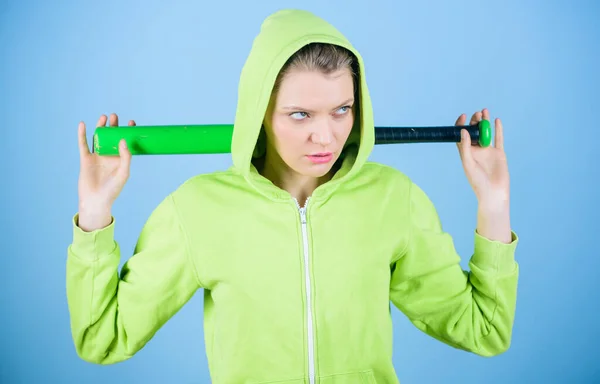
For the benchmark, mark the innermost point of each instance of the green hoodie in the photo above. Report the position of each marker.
(293, 294)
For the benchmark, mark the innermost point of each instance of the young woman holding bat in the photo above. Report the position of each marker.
(303, 243)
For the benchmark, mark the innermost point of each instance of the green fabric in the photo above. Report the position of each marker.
(370, 236)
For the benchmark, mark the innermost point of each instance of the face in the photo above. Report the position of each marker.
(309, 119)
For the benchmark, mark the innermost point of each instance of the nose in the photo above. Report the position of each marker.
(322, 134)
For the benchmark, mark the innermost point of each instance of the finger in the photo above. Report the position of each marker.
(101, 121)
(131, 123)
(114, 120)
(125, 157)
(84, 149)
(461, 120)
(485, 114)
(499, 136)
(476, 118)
(465, 148)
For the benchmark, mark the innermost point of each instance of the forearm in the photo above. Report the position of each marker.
(91, 282)
(471, 310)
(113, 315)
(493, 221)
(96, 329)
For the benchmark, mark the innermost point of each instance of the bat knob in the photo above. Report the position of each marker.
(485, 133)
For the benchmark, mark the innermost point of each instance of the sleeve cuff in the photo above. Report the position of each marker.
(95, 244)
(491, 254)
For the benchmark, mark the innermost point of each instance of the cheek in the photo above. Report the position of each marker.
(343, 129)
(287, 138)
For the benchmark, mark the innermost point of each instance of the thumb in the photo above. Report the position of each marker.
(465, 148)
(124, 166)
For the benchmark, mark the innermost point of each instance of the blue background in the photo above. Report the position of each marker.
(535, 64)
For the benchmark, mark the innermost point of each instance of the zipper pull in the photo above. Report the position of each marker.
(303, 215)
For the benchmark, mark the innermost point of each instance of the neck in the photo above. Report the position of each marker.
(299, 186)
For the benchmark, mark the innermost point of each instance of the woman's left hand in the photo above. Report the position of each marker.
(485, 168)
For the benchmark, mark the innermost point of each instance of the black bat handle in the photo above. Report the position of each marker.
(479, 133)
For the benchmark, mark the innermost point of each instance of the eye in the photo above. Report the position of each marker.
(298, 115)
(343, 110)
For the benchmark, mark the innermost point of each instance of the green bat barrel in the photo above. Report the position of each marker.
(167, 140)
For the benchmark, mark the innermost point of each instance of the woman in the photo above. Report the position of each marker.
(301, 245)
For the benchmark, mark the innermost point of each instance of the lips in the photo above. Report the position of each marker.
(321, 158)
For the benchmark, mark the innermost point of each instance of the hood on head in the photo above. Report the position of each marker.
(281, 35)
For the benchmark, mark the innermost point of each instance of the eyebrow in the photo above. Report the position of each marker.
(295, 107)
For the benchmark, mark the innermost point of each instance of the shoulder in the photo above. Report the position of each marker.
(205, 186)
(382, 174)
(212, 181)
(399, 183)
(402, 195)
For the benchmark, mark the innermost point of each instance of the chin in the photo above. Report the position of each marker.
(316, 172)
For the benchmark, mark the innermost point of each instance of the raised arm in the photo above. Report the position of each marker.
(470, 310)
(114, 315)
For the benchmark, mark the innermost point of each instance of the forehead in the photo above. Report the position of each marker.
(314, 89)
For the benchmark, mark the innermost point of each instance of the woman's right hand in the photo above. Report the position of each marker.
(101, 179)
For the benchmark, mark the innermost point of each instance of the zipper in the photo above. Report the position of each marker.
(307, 282)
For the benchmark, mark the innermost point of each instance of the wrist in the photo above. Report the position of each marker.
(494, 204)
(493, 210)
(93, 217)
(493, 222)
